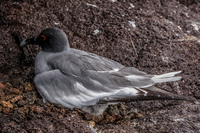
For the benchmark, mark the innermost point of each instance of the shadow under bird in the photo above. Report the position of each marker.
(79, 79)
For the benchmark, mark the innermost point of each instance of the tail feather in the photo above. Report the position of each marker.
(129, 94)
(167, 77)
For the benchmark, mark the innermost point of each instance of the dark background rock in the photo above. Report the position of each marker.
(155, 36)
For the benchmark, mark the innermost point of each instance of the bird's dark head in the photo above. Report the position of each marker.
(50, 39)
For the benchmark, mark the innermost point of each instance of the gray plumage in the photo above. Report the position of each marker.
(78, 79)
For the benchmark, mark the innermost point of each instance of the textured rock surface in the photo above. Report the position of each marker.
(155, 36)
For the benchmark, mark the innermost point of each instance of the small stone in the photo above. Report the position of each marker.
(14, 90)
(118, 117)
(6, 110)
(18, 115)
(38, 110)
(8, 97)
(29, 87)
(138, 115)
(60, 116)
(18, 82)
(2, 86)
(91, 123)
(48, 104)
(15, 99)
(98, 118)
(110, 118)
(62, 111)
(6, 104)
(21, 102)
(8, 85)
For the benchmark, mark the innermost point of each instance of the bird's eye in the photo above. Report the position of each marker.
(44, 38)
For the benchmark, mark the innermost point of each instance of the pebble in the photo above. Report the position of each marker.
(15, 99)
(2, 86)
(6, 104)
(29, 87)
(91, 123)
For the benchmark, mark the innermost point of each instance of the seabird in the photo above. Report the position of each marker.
(83, 80)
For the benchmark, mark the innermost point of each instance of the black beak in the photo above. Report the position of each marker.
(28, 41)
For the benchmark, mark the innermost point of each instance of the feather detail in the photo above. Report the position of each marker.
(167, 77)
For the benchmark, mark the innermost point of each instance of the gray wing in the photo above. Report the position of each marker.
(87, 66)
(81, 79)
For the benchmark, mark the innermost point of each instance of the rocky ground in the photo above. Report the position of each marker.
(155, 36)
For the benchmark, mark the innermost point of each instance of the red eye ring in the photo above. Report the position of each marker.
(44, 38)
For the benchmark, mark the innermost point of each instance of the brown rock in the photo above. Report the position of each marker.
(110, 118)
(2, 86)
(60, 116)
(138, 115)
(8, 97)
(15, 99)
(22, 102)
(14, 90)
(6, 104)
(91, 123)
(29, 86)
(36, 109)
(6, 110)
(62, 111)
(8, 85)
(98, 118)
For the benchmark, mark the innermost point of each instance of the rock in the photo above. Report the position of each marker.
(6, 111)
(36, 109)
(19, 115)
(110, 119)
(91, 123)
(98, 118)
(6, 104)
(29, 86)
(17, 98)
(8, 85)
(2, 86)
(14, 91)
